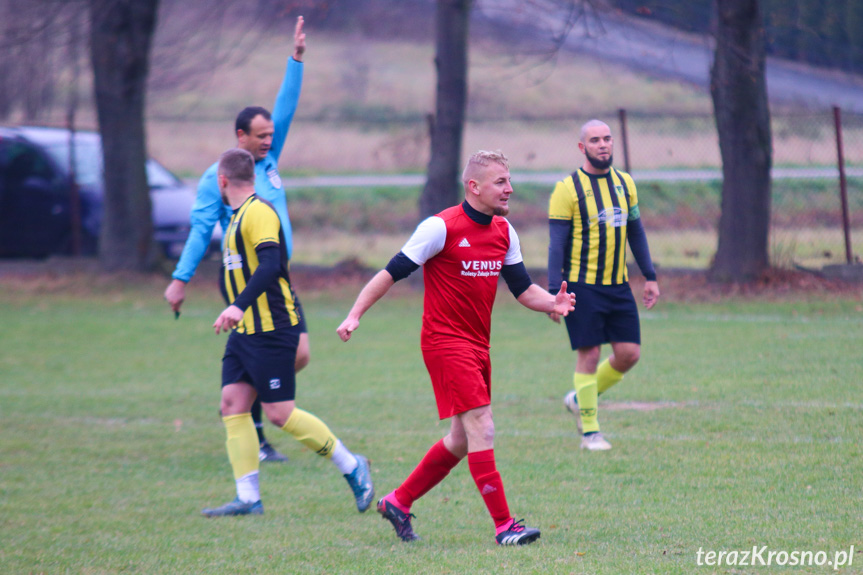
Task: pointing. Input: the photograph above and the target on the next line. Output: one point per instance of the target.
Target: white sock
(343, 459)
(248, 490)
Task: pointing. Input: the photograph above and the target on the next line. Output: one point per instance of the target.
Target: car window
(89, 170)
(20, 162)
(159, 177)
(88, 161)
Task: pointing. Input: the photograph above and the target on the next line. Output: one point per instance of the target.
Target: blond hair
(482, 158)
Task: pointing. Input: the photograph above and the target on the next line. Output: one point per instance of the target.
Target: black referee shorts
(265, 361)
(603, 314)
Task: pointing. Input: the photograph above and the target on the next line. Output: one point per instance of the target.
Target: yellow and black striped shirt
(255, 225)
(598, 208)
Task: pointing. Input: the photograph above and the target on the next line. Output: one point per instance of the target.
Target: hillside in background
(814, 32)
(825, 34)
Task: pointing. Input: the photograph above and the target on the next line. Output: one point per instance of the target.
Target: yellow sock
(606, 376)
(585, 391)
(242, 444)
(311, 432)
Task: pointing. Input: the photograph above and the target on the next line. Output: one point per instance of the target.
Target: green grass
(111, 443)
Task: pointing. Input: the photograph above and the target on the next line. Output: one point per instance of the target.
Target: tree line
(825, 34)
(121, 36)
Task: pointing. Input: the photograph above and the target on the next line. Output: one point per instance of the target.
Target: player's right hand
(228, 319)
(347, 328)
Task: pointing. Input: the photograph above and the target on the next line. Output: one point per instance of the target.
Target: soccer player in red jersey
(464, 250)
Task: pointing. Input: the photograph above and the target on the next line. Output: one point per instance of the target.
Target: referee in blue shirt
(263, 135)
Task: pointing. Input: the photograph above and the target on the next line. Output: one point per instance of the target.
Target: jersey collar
(475, 215)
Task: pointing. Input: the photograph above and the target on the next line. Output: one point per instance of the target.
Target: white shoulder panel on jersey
(513, 254)
(427, 240)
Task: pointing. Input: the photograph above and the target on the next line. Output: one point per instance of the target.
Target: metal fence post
(625, 139)
(843, 184)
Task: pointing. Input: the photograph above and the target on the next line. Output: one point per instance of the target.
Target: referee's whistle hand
(175, 294)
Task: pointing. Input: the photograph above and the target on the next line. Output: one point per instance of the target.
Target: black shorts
(263, 360)
(603, 314)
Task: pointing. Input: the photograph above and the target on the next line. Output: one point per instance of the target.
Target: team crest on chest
(275, 179)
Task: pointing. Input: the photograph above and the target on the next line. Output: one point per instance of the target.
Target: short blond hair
(482, 158)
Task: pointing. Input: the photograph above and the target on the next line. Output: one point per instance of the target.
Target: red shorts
(461, 378)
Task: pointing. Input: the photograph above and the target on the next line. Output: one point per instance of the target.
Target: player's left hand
(299, 40)
(348, 327)
(651, 293)
(563, 302)
(228, 319)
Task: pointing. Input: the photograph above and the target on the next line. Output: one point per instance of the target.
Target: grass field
(740, 427)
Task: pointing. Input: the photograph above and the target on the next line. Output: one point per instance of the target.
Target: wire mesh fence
(676, 163)
(675, 160)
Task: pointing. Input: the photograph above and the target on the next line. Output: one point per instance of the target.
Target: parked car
(36, 195)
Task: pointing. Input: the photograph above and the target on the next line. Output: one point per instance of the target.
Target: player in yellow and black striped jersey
(592, 215)
(255, 226)
(596, 209)
(265, 326)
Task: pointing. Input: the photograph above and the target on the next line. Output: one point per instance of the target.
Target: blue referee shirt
(209, 209)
